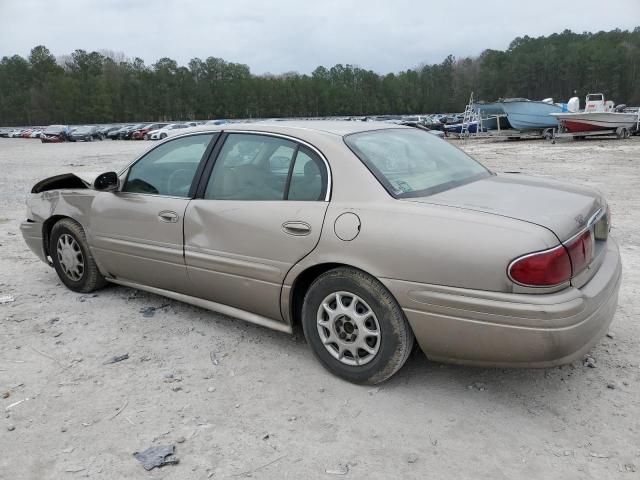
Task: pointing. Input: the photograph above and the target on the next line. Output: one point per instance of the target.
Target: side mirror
(106, 182)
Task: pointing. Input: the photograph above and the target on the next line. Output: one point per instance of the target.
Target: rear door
(257, 213)
(137, 232)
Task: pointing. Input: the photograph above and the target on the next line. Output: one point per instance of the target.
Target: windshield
(413, 163)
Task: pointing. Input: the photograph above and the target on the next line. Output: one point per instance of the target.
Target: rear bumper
(511, 330)
(32, 234)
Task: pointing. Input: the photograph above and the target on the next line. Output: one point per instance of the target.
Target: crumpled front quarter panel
(75, 204)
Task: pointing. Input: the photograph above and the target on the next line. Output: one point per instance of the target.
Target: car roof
(332, 127)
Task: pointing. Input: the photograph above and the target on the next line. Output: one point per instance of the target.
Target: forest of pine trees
(102, 87)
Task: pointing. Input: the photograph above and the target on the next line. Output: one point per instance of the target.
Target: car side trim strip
(209, 305)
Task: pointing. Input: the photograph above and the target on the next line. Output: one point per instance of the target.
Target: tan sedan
(365, 234)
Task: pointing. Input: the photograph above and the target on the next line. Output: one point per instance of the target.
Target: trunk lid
(564, 209)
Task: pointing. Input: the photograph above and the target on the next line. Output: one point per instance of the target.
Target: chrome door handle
(168, 216)
(296, 228)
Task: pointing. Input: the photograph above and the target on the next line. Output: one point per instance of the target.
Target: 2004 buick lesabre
(365, 234)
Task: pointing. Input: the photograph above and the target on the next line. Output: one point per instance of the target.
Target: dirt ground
(267, 409)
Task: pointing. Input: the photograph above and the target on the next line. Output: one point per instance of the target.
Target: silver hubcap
(70, 257)
(348, 328)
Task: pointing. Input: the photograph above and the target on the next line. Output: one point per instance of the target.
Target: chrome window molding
(301, 142)
(327, 196)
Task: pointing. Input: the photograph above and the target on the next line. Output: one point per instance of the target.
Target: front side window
(414, 163)
(251, 167)
(168, 169)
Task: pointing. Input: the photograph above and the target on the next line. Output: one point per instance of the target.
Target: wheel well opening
(47, 226)
(302, 284)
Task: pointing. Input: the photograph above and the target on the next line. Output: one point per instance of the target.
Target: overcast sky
(283, 35)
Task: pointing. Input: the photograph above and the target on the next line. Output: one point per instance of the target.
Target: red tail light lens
(542, 269)
(580, 252)
(554, 266)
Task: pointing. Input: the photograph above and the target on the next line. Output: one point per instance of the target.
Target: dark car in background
(54, 134)
(142, 133)
(115, 133)
(86, 133)
(105, 129)
(125, 134)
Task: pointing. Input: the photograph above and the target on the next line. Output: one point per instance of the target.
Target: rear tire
(72, 258)
(364, 339)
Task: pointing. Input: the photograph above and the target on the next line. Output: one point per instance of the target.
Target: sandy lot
(268, 409)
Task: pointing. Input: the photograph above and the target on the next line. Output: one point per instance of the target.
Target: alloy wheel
(70, 257)
(348, 328)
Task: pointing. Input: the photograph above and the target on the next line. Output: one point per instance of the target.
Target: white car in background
(169, 130)
(164, 132)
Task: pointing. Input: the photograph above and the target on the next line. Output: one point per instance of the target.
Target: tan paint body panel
(557, 206)
(443, 257)
(515, 330)
(238, 253)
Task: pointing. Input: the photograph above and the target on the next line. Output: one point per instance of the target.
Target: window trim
(290, 177)
(287, 185)
(196, 177)
(208, 169)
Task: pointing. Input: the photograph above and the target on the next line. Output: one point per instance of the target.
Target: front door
(136, 234)
(261, 212)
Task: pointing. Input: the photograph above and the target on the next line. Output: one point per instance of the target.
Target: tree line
(103, 87)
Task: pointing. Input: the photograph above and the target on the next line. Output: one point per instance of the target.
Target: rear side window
(251, 167)
(308, 178)
(414, 163)
(168, 169)
(263, 167)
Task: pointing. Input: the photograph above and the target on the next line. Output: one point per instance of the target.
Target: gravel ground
(267, 409)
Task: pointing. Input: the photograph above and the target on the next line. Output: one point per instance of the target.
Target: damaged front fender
(66, 181)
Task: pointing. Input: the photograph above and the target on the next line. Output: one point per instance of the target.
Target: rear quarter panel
(430, 244)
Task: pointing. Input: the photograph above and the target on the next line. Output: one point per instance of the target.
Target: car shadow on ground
(418, 373)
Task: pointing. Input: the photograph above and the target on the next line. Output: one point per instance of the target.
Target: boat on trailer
(525, 114)
(491, 115)
(597, 115)
(459, 128)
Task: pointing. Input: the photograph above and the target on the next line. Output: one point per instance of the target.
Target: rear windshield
(414, 163)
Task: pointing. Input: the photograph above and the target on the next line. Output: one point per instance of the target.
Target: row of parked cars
(89, 133)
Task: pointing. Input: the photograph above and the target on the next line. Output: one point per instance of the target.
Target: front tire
(355, 327)
(72, 258)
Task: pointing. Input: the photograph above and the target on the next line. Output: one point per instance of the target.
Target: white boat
(597, 115)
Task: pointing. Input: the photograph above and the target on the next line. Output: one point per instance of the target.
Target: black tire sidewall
(57, 231)
(319, 290)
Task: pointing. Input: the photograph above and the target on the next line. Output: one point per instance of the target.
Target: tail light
(558, 265)
(542, 269)
(580, 252)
